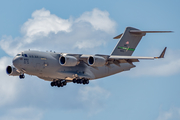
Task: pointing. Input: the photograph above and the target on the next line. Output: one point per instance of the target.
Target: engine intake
(96, 61)
(68, 61)
(12, 71)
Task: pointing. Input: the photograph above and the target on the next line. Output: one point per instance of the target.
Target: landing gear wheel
(52, 84)
(74, 81)
(81, 81)
(64, 83)
(84, 82)
(58, 83)
(78, 81)
(21, 76)
(87, 82)
(61, 85)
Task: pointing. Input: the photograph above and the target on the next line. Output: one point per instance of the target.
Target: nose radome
(15, 61)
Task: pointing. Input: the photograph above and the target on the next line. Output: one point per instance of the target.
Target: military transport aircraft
(61, 68)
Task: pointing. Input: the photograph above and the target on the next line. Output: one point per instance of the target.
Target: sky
(150, 91)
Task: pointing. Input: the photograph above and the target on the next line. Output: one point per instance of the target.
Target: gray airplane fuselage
(46, 65)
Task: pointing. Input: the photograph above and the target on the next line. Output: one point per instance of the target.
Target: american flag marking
(127, 42)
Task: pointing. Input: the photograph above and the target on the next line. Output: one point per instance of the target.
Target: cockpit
(21, 54)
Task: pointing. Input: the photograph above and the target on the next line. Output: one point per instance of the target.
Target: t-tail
(129, 40)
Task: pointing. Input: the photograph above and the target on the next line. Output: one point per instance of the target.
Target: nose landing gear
(22, 76)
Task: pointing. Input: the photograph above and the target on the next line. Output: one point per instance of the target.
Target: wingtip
(163, 53)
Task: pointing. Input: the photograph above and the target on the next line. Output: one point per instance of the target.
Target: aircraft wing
(118, 57)
(112, 59)
(134, 57)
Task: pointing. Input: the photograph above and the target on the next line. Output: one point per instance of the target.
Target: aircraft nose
(15, 61)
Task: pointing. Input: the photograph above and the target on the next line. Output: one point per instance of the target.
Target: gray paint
(127, 40)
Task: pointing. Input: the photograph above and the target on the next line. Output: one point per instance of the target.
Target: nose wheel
(22, 76)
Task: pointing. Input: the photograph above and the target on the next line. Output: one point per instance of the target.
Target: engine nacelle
(12, 71)
(96, 61)
(68, 61)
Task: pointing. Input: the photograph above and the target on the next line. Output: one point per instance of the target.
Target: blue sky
(150, 91)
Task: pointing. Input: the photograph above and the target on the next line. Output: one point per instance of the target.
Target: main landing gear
(22, 76)
(59, 83)
(81, 81)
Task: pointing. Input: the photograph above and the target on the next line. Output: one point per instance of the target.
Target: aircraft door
(37, 66)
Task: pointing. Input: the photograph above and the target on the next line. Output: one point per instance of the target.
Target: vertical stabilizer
(128, 42)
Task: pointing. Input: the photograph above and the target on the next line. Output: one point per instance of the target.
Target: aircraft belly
(111, 69)
(99, 72)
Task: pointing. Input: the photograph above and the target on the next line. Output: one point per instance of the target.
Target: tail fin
(128, 42)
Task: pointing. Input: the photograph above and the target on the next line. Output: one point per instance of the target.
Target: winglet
(162, 54)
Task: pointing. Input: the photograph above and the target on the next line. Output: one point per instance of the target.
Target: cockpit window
(24, 55)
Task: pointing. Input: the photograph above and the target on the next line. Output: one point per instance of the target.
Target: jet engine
(96, 61)
(68, 61)
(12, 71)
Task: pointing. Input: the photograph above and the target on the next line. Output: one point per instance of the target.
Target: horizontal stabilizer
(118, 37)
(139, 31)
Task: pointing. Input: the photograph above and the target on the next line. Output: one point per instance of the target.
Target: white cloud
(99, 20)
(172, 114)
(46, 31)
(8, 91)
(167, 66)
(89, 43)
(43, 22)
(93, 98)
(25, 113)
